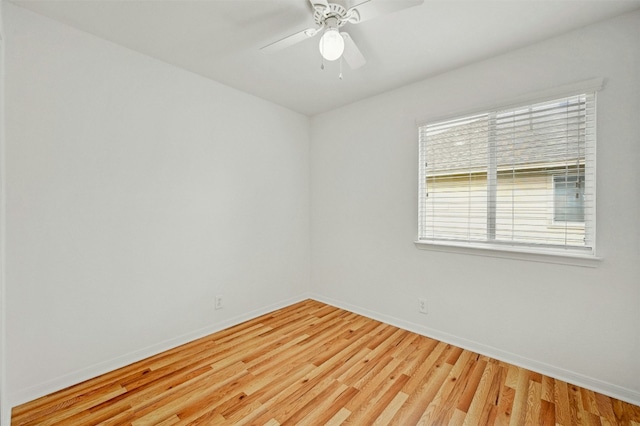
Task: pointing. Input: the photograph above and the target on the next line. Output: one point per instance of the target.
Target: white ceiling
(221, 39)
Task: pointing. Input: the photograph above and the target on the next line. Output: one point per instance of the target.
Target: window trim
(555, 256)
(592, 85)
(559, 255)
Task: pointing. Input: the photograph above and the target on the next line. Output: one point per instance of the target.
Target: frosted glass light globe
(331, 44)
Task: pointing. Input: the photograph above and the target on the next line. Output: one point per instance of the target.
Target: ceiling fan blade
(370, 9)
(351, 53)
(289, 40)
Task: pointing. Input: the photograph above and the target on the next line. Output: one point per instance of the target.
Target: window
(521, 177)
(568, 198)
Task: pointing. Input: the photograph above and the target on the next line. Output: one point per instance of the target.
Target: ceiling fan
(330, 18)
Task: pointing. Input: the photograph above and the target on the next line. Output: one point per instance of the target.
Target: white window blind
(522, 176)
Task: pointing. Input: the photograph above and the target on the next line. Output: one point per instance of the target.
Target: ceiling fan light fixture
(331, 44)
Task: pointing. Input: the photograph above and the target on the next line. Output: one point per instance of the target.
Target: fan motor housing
(336, 11)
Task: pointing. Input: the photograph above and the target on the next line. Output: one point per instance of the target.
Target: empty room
(271, 212)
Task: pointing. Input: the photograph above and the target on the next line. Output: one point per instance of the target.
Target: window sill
(508, 252)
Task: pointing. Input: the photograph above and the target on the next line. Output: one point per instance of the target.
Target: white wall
(136, 192)
(5, 409)
(574, 322)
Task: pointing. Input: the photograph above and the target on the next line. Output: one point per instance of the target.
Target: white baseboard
(612, 390)
(62, 382)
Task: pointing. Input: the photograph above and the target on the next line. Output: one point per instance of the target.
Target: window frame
(560, 254)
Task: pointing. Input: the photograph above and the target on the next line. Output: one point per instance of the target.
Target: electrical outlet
(422, 305)
(218, 302)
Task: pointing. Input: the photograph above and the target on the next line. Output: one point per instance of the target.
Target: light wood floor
(315, 364)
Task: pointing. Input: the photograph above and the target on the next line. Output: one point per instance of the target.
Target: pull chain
(340, 76)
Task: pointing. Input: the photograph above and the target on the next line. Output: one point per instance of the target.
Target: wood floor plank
(490, 408)
(471, 385)
(326, 391)
(563, 408)
(423, 393)
(444, 395)
(519, 412)
(445, 407)
(184, 395)
(633, 411)
(512, 377)
(378, 390)
(312, 364)
(418, 376)
(575, 403)
(484, 395)
(589, 401)
(339, 417)
(391, 409)
(296, 397)
(534, 398)
(373, 410)
(547, 413)
(421, 349)
(605, 407)
(326, 409)
(208, 406)
(59, 401)
(58, 414)
(458, 418)
(505, 404)
(547, 389)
